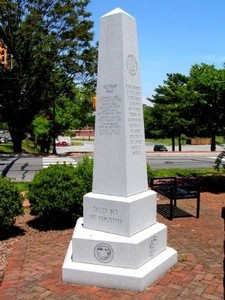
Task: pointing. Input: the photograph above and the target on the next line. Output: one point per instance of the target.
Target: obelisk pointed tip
(116, 11)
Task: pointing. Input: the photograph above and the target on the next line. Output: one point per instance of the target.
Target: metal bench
(170, 188)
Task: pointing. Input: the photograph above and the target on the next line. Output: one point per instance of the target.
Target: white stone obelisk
(119, 145)
(118, 242)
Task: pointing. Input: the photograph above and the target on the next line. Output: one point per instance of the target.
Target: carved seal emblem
(152, 246)
(104, 252)
(132, 65)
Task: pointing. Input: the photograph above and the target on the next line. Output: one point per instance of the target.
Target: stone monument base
(115, 277)
(120, 215)
(108, 260)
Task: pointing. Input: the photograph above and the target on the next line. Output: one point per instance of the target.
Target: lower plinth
(116, 277)
(108, 260)
(118, 244)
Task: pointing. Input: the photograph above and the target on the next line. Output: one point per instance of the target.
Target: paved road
(184, 160)
(88, 146)
(23, 167)
(20, 167)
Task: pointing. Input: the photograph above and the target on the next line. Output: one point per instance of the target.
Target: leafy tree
(148, 121)
(170, 107)
(191, 105)
(51, 46)
(71, 111)
(42, 128)
(207, 84)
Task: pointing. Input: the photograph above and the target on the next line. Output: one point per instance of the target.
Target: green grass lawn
(207, 172)
(168, 141)
(186, 172)
(29, 147)
(6, 148)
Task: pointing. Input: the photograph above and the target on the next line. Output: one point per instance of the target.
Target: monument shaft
(119, 158)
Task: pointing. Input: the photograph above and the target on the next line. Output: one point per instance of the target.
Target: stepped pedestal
(107, 260)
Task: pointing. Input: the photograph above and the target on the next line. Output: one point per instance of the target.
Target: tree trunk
(173, 142)
(17, 138)
(179, 140)
(213, 142)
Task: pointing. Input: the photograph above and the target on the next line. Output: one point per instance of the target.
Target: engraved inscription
(135, 119)
(109, 115)
(105, 215)
(109, 112)
(152, 246)
(103, 252)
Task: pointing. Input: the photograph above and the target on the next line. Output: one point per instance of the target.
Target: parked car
(8, 139)
(2, 140)
(62, 144)
(160, 148)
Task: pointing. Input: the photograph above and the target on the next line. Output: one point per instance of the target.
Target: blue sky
(173, 35)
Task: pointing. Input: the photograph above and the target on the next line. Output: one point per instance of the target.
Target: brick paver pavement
(34, 268)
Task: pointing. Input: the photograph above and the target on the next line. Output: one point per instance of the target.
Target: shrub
(84, 173)
(150, 173)
(219, 160)
(57, 192)
(11, 202)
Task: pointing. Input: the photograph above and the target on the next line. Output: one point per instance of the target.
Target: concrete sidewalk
(34, 268)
